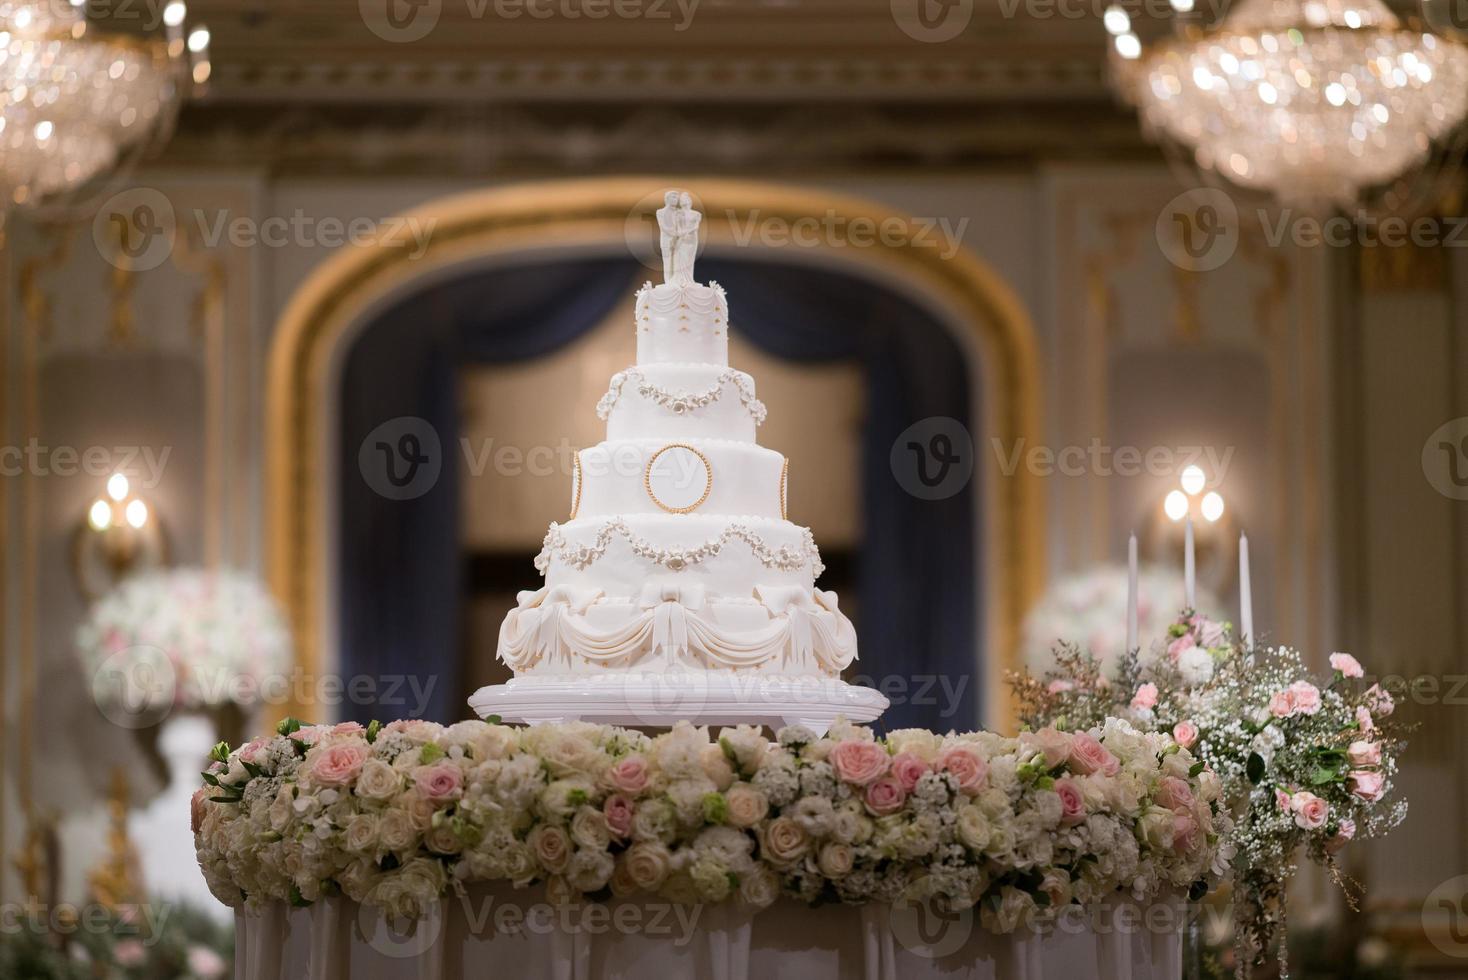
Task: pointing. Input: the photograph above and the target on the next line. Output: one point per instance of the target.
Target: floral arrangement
(1305, 764)
(186, 637)
(395, 816)
(163, 942)
(1089, 608)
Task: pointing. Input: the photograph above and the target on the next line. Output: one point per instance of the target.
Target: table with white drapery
(494, 931)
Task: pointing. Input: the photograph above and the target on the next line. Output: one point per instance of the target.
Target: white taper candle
(1190, 584)
(1246, 594)
(1131, 593)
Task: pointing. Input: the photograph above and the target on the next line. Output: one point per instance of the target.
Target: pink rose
(628, 774)
(1344, 831)
(1306, 697)
(253, 752)
(1053, 745)
(1363, 720)
(1146, 697)
(1060, 686)
(1072, 802)
(885, 796)
(907, 769)
(439, 782)
(1176, 647)
(1282, 704)
(1174, 794)
(1365, 785)
(196, 809)
(1185, 836)
(1185, 733)
(1346, 664)
(966, 765)
(1310, 810)
(1379, 701)
(1362, 753)
(859, 763)
(1210, 631)
(618, 810)
(1087, 755)
(1281, 799)
(338, 765)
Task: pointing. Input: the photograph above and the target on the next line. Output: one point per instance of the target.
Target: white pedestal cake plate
(660, 698)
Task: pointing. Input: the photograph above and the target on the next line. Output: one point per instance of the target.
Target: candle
(1131, 593)
(1189, 576)
(1246, 594)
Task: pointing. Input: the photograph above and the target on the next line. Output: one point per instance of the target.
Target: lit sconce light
(1192, 479)
(119, 535)
(1212, 506)
(1175, 504)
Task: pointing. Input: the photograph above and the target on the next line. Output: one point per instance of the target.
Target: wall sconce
(120, 535)
(1213, 528)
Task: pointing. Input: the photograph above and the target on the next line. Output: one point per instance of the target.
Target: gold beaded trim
(784, 483)
(575, 485)
(707, 487)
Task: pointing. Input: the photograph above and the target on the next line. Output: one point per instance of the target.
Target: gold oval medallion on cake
(678, 478)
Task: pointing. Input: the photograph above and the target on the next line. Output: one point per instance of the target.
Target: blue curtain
(917, 583)
(401, 595)
(401, 589)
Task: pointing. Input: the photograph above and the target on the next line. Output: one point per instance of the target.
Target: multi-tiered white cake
(677, 588)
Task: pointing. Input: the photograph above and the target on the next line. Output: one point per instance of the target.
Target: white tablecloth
(502, 932)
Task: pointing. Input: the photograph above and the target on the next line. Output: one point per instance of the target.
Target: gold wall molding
(594, 214)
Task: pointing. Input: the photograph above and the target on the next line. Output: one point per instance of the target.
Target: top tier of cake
(682, 323)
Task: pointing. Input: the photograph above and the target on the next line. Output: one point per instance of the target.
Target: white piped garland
(783, 558)
(682, 402)
(666, 298)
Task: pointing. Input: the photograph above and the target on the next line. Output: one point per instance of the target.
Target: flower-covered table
(580, 850)
(510, 932)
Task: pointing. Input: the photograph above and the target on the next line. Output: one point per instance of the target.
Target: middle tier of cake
(696, 476)
(725, 556)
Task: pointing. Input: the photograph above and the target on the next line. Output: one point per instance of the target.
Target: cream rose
(551, 846)
(784, 842)
(646, 865)
(378, 781)
(747, 806)
(835, 859)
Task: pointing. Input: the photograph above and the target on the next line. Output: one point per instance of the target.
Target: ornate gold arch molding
(480, 227)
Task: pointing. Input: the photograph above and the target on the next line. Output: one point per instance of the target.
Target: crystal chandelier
(1318, 102)
(76, 102)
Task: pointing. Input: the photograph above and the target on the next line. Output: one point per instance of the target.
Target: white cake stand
(658, 699)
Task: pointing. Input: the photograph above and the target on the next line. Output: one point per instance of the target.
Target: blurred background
(245, 245)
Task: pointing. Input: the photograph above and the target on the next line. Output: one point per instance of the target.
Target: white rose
(646, 864)
(361, 835)
(973, 828)
(443, 840)
(378, 781)
(759, 888)
(551, 846)
(784, 842)
(835, 860)
(396, 830)
(920, 742)
(747, 805)
(589, 829)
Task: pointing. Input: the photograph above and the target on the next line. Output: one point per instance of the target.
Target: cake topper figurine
(678, 223)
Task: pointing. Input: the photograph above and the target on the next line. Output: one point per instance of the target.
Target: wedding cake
(677, 588)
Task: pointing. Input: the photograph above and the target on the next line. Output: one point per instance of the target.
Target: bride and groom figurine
(678, 223)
